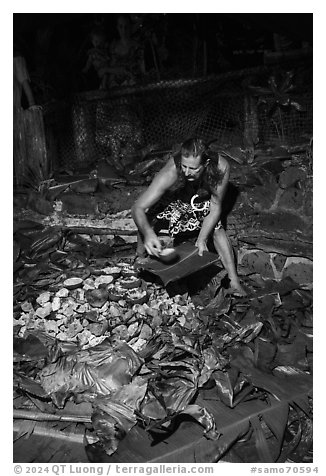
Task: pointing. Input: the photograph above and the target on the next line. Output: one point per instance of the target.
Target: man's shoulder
(223, 163)
(168, 173)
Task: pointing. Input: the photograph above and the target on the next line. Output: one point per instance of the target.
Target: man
(190, 176)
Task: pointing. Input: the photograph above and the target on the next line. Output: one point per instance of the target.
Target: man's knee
(218, 232)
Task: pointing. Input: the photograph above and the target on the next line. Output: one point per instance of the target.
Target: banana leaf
(46, 239)
(204, 418)
(277, 423)
(152, 409)
(300, 453)
(41, 416)
(290, 446)
(213, 360)
(90, 373)
(301, 401)
(268, 449)
(114, 417)
(293, 354)
(231, 424)
(264, 353)
(30, 348)
(291, 388)
(176, 388)
(25, 429)
(262, 447)
(29, 385)
(242, 334)
(47, 442)
(225, 382)
(220, 304)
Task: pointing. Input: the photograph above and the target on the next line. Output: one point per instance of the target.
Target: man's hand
(201, 245)
(152, 244)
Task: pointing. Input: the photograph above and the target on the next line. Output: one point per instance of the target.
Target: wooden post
(36, 151)
(19, 146)
(29, 144)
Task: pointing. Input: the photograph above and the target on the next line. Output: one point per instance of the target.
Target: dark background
(55, 44)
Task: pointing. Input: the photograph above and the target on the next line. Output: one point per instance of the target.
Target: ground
(248, 351)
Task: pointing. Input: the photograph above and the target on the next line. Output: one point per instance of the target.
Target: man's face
(191, 167)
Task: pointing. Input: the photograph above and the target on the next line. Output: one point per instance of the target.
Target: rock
(81, 309)
(121, 331)
(56, 303)
(106, 171)
(280, 221)
(92, 316)
(279, 261)
(78, 204)
(44, 311)
(61, 318)
(291, 176)
(132, 329)
(291, 199)
(88, 284)
(68, 310)
(114, 311)
(308, 203)
(96, 297)
(146, 332)
(104, 279)
(262, 198)
(73, 283)
(84, 337)
(63, 292)
(26, 306)
(259, 262)
(51, 326)
(299, 269)
(73, 329)
(85, 186)
(98, 328)
(43, 298)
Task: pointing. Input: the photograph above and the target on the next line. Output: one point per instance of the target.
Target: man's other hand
(201, 245)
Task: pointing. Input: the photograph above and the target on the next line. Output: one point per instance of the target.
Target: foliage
(276, 97)
(241, 368)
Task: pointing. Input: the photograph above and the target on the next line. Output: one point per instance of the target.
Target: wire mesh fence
(237, 108)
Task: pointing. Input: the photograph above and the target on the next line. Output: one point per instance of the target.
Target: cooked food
(168, 255)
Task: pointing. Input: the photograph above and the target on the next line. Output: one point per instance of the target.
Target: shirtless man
(189, 175)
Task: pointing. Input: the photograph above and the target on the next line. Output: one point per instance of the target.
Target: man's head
(193, 161)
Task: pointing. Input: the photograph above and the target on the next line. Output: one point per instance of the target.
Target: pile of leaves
(242, 368)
